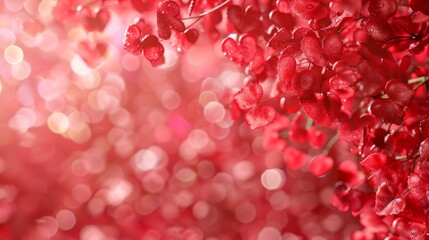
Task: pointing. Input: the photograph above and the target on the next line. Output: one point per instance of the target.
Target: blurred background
(96, 144)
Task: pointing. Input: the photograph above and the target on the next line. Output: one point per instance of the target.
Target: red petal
(312, 49)
(388, 111)
(280, 39)
(373, 162)
(192, 35)
(249, 47)
(315, 107)
(235, 14)
(231, 49)
(294, 158)
(282, 20)
(286, 69)
(260, 116)
(399, 92)
(176, 24)
(320, 165)
(378, 30)
(132, 40)
(249, 96)
(162, 26)
(153, 49)
(382, 9)
(317, 137)
(332, 47)
(169, 7)
(385, 202)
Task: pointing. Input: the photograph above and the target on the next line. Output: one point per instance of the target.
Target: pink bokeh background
(123, 150)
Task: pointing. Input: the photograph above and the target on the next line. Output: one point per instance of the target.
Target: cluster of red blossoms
(355, 71)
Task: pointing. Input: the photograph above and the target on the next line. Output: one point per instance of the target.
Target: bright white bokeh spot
(31, 6)
(214, 112)
(243, 170)
(21, 71)
(90, 80)
(58, 122)
(146, 160)
(80, 132)
(14, 5)
(170, 99)
(7, 37)
(81, 135)
(91, 232)
(78, 66)
(48, 89)
(119, 190)
(13, 54)
(269, 233)
(105, 99)
(25, 95)
(24, 119)
(46, 7)
(273, 179)
(66, 219)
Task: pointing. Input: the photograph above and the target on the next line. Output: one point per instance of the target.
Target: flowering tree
(216, 119)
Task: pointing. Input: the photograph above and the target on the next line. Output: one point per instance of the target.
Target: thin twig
(209, 11)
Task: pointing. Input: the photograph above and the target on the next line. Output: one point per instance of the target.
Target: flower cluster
(355, 71)
(98, 144)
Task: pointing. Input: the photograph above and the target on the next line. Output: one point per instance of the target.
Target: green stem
(309, 123)
(330, 144)
(420, 83)
(198, 19)
(209, 11)
(416, 80)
